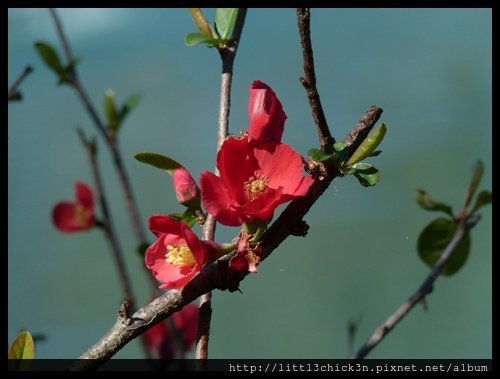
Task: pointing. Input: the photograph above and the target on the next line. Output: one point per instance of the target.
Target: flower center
(255, 186)
(179, 256)
(81, 214)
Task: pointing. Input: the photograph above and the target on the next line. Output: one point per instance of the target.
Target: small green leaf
(129, 104)
(366, 174)
(22, 347)
(176, 215)
(190, 217)
(376, 153)
(342, 151)
(159, 161)
(224, 21)
(368, 145)
(426, 202)
(477, 174)
(483, 198)
(435, 238)
(50, 57)
(318, 155)
(195, 38)
(111, 111)
(202, 23)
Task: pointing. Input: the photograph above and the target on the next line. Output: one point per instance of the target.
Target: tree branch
(107, 226)
(228, 56)
(326, 140)
(111, 143)
(425, 288)
(214, 276)
(13, 93)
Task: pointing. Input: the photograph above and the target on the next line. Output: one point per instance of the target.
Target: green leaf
(483, 198)
(426, 202)
(224, 21)
(49, 56)
(435, 238)
(159, 161)
(202, 23)
(110, 111)
(129, 104)
(342, 151)
(190, 217)
(196, 38)
(318, 155)
(366, 174)
(22, 347)
(477, 174)
(368, 145)
(376, 153)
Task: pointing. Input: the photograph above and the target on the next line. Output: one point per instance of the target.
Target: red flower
(267, 119)
(186, 189)
(73, 217)
(177, 255)
(246, 258)
(255, 177)
(159, 337)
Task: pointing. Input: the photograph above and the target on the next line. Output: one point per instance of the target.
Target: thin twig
(228, 56)
(326, 139)
(111, 143)
(214, 276)
(107, 226)
(425, 288)
(13, 93)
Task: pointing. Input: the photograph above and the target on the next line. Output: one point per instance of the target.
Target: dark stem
(419, 295)
(111, 143)
(326, 140)
(107, 227)
(228, 56)
(62, 36)
(214, 276)
(13, 93)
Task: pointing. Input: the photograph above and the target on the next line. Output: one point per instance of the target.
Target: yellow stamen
(255, 186)
(179, 256)
(81, 215)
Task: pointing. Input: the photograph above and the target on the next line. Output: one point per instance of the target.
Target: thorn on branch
(299, 229)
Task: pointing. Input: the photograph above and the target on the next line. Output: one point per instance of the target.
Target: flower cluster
(257, 173)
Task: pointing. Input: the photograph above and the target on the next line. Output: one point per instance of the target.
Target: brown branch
(326, 140)
(107, 226)
(13, 93)
(111, 143)
(425, 288)
(214, 276)
(228, 56)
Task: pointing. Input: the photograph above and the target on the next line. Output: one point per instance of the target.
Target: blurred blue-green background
(429, 69)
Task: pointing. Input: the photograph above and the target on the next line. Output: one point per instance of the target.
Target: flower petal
(160, 224)
(63, 216)
(281, 164)
(217, 201)
(84, 195)
(236, 165)
(267, 118)
(195, 245)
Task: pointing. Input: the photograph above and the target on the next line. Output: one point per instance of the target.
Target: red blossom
(246, 258)
(159, 337)
(186, 189)
(177, 255)
(76, 216)
(267, 118)
(255, 177)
